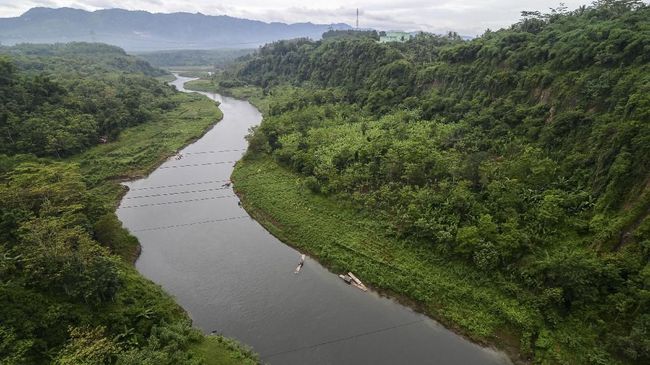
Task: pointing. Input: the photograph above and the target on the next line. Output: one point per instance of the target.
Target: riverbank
(344, 239)
(136, 153)
(252, 94)
(195, 248)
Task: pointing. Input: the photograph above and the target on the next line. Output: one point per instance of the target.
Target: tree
(87, 346)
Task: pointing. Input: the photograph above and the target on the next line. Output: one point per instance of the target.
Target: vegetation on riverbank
(194, 72)
(501, 183)
(202, 84)
(137, 152)
(68, 291)
(345, 239)
(254, 94)
(197, 59)
(219, 350)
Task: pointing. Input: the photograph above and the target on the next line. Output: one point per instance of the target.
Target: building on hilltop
(394, 37)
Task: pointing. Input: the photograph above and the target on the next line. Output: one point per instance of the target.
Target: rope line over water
(175, 193)
(190, 224)
(191, 183)
(196, 165)
(204, 152)
(287, 187)
(177, 185)
(342, 339)
(178, 201)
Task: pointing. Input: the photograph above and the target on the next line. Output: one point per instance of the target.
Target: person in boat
(347, 279)
(300, 264)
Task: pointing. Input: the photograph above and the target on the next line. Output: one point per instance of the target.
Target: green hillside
(513, 168)
(216, 58)
(74, 121)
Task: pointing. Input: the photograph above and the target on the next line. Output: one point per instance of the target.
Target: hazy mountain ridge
(141, 30)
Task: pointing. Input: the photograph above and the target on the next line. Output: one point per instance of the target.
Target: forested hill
(77, 58)
(60, 99)
(144, 31)
(523, 154)
(73, 119)
(217, 58)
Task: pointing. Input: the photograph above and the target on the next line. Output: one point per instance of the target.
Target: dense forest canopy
(77, 58)
(351, 33)
(524, 153)
(59, 100)
(217, 58)
(68, 293)
(64, 299)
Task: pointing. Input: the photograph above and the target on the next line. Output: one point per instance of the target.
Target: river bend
(233, 277)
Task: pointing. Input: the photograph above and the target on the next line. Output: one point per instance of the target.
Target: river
(235, 278)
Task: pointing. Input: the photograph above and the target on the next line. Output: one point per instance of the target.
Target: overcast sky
(467, 17)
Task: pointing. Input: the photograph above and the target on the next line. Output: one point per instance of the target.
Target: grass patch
(201, 85)
(140, 149)
(253, 94)
(344, 239)
(219, 350)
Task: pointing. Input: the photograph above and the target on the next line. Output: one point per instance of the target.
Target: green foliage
(211, 351)
(87, 346)
(523, 155)
(51, 107)
(343, 63)
(201, 85)
(108, 231)
(217, 58)
(351, 33)
(345, 239)
(80, 58)
(58, 259)
(65, 297)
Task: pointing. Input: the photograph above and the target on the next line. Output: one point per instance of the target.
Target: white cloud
(469, 17)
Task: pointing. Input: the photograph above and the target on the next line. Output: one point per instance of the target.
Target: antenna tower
(357, 18)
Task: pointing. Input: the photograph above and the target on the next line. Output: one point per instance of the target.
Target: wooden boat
(356, 282)
(346, 278)
(353, 280)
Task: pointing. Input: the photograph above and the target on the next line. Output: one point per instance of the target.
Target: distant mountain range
(144, 31)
